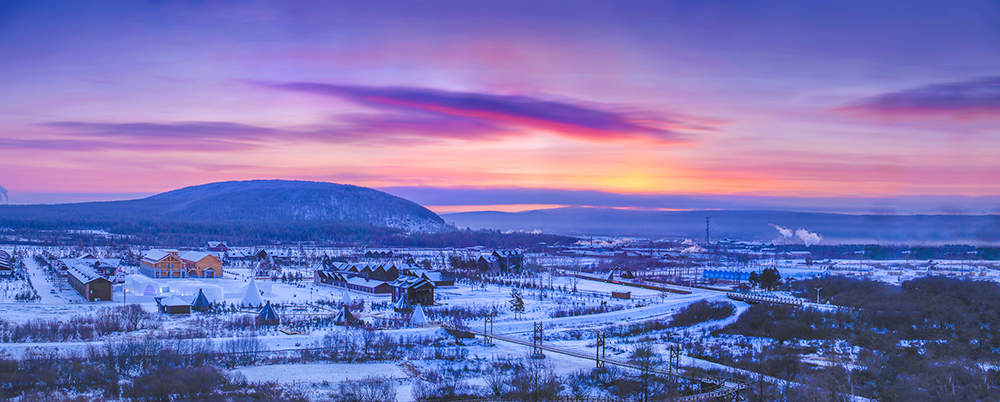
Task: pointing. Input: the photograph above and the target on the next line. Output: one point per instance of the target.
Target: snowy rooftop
(194, 255)
(84, 273)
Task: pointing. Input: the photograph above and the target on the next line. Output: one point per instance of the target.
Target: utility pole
(818, 288)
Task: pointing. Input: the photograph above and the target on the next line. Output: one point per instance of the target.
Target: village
(466, 309)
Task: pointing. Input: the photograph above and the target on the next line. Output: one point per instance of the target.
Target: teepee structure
(344, 317)
(200, 302)
(403, 304)
(252, 297)
(418, 318)
(268, 316)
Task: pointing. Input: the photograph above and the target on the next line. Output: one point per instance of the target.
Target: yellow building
(200, 264)
(162, 264)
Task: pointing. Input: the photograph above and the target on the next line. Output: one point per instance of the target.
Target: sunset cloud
(976, 98)
(496, 111)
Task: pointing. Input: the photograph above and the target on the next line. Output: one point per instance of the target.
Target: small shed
(621, 295)
(173, 305)
(268, 316)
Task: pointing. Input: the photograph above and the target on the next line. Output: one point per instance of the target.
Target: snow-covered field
(575, 332)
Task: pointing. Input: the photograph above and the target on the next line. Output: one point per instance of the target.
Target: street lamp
(818, 288)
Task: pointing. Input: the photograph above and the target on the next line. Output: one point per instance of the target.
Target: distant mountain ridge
(287, 200)
(226, 208)
(742, 225)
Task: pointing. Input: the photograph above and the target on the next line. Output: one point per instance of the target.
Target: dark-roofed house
(352, 281)
(415, 290)
(88, 283)
(440, 278)
(218, 246)
(6, 264)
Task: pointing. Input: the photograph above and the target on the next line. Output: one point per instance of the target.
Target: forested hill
(259, 210)
(744, 225)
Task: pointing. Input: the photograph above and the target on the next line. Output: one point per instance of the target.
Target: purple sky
(504, 104)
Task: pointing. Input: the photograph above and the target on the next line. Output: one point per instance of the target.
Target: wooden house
(415, 290)
(218, 247)
(200, 264)
(89, 284)
(439, 278)
(162, 264)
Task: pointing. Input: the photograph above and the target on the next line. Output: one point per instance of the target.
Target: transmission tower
(600, 349)
(536, 342)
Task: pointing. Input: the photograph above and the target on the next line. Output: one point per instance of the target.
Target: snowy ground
(59, 301)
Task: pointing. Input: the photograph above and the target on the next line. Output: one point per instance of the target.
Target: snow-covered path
(40, 283)
(626, 316)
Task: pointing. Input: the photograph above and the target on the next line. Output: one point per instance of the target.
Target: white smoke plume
(785, 232)
(3, 192)
(808, 237)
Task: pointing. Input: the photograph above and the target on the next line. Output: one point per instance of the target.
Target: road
(41, 283)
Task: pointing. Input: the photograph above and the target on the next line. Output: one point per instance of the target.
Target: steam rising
(3, 193)
(808, 237)
(785, 232)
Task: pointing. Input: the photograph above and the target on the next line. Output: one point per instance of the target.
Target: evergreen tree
(770, 278)
(516, 302)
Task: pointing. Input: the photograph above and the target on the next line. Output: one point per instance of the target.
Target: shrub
(702, 311)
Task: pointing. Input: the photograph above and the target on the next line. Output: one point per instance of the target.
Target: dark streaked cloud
(223, 136)
(425, 127)
(494, 111)
(183, 130)
(969, 98)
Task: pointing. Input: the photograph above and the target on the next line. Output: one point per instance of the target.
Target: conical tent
(344, 317)
(200, 302)
(346, 300)
(268, 316)
(402, 304)
(418, 317)
(252, 297)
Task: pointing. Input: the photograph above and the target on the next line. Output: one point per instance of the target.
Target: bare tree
(647, 360)
(370, 389)
(243, 351)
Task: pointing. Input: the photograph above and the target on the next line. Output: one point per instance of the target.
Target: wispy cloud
(976, 98)
(504, 113)
(224, 136)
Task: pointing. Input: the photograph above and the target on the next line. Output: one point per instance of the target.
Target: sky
(510, 105)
